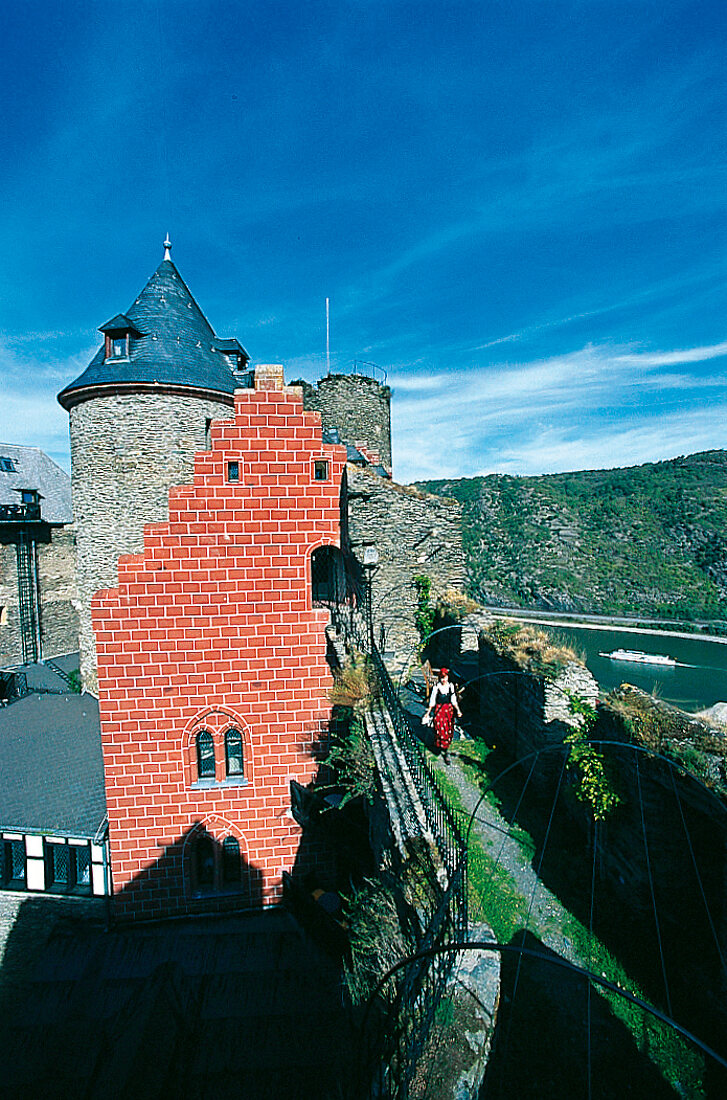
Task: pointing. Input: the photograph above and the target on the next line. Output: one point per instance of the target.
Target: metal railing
(370, 370)
(394, 1052)
(419, 990)
(19, 513)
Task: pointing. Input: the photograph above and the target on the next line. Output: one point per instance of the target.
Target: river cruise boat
(638, 658)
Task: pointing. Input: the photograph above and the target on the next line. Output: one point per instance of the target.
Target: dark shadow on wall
(231, 1004)
(196, 874)
(334, 853)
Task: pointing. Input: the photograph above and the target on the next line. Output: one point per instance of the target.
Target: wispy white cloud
(596, 405)
(29, 412)
(669, 358)
(557, 449)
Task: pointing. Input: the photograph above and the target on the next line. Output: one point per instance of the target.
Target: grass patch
(678, 1062)
(496, 898)
(493, 892)
(473, 754)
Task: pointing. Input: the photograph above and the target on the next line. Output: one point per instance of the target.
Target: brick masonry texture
(56, 550)
(415, 533)
(212, 627)
(359, 407)
(127, 449)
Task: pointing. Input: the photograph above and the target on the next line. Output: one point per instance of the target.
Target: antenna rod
(328, 334)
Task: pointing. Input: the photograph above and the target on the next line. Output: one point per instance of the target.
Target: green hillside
(646, 540)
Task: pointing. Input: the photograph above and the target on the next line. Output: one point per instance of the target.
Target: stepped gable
(170, 343)
(213, 627)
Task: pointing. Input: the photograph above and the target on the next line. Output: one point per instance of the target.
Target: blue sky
(516, 209)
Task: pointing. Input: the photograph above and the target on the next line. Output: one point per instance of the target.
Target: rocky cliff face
(650, 540)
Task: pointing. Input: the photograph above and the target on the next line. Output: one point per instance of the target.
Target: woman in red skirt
(444, 703)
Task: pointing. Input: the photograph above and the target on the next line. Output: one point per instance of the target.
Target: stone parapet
(414, 533)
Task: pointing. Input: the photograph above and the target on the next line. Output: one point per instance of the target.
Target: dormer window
(236, 355)
(117, 335)
(117, 347)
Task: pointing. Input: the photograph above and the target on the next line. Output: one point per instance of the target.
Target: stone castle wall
(414, 533)
(126, 451)
(58, 596)
(11, 652)
(359, 407)
(56, 558)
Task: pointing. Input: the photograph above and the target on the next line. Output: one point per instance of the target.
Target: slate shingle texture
(52, 766)
(35, 470)
(178, 346)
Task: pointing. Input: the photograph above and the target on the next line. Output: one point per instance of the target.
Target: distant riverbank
(601, 622)
(695, 682)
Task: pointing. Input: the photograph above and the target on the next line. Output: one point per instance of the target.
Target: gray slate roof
(35, 470)
(51, 765)
(235, 1008)
(178, 346)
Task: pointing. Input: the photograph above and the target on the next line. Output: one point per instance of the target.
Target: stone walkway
(547, 915)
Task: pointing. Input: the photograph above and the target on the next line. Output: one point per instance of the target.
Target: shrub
(425, 610)
(351, 758)
(376, 938)
(355, 685)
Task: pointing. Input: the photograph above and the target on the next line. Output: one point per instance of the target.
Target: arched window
(231, 868)
(204, 862)
(205, 755)
(328, 576)
(234, 764)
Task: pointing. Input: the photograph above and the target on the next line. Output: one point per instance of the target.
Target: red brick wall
(212, 628)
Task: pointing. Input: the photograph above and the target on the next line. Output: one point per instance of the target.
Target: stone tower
(138, 414)
(358, 407)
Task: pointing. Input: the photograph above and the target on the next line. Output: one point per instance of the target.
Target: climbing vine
(425, 609)
(593, 784)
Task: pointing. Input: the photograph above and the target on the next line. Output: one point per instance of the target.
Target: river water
(697, 682)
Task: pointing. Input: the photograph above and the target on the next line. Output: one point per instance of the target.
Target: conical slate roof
(177, 346)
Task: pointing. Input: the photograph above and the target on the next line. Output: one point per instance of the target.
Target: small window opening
(117, 345)
(12, 868)
(233, 753)
(233, 471)
(67, 868)
(204, 861)
(320, 470)
(83, 866)
(205, 755)
(231, 869)
(7, 465)
(29, 496)
(58, 867)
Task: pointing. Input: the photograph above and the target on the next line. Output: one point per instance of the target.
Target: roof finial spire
(167, 248)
